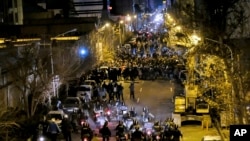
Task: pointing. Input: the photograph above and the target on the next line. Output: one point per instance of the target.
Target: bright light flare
(82, 51)
(178, 28)
(196, 39)
(128, 18)
(158, 18)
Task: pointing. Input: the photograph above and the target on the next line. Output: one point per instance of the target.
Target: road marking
(140, 90)
(171, 89)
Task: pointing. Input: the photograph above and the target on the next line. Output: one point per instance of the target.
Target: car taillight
(82, 122)
(157, 137)
(108, 112)
(85, 139)
(149, 132)
(97, 115)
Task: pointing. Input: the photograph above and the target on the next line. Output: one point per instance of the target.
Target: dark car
(72, 104)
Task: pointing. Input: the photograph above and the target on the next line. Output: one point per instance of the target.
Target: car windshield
(71, 101)
(83, 89)
(56, 116)
(202, 106)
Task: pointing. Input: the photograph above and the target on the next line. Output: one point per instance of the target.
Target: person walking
(132, 90)
(66, 128)
(120, 92)
(115, 90)
(53, 130)
(177, 135)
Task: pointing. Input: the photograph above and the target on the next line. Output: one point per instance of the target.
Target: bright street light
(107, 25)
(178, 28)
(128, 18)
(195, 39)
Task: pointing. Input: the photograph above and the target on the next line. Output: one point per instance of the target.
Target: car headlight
(41, 138)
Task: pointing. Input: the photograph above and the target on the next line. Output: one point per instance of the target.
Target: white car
(57, 115)
(90, 82)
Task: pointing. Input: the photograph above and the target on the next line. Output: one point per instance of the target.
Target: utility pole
(55, 93)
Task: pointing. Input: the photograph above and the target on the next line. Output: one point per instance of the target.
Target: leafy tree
(109, 41)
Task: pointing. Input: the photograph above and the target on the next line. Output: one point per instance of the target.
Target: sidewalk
(196, 133)
(225, 134)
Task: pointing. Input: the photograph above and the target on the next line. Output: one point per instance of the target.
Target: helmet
(137, 127)
(156, 123)
(120, 122)
(106, 123)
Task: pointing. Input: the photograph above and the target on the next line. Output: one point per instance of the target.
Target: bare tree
(8, 122)
(28, 73)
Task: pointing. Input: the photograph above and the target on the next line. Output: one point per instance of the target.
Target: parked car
(85, 92)
(57, 115)
(90, 82)
(72, 104)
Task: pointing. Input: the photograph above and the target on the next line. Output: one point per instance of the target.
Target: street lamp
(52, 60)
(121, 31)
(135, 22)
(195, 39)
(128, 19)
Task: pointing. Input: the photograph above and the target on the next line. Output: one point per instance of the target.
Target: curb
(222, 133)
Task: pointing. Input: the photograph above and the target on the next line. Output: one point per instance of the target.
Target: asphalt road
(157, 96)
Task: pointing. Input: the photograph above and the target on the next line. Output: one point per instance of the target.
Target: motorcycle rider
(105, 131)
(86, 131)
(132, 112)
(177, 134)
(66, 128)
(120, 128)
(157, 126)
(157, 129)
(137, 135)
(135, 124)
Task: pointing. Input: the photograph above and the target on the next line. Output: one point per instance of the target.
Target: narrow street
(157, 96)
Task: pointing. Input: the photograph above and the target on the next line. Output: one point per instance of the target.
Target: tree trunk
(26, 104)
(33, 106)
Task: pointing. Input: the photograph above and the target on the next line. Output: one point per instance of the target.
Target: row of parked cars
(74, 105)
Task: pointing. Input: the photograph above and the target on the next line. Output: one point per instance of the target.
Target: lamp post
(128, 19)
(121, 30)
(52, 60)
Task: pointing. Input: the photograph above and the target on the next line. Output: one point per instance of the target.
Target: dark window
(83, 89)
(71, 101)
(202, 106)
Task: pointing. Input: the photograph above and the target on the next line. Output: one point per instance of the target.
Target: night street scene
(125, 70)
